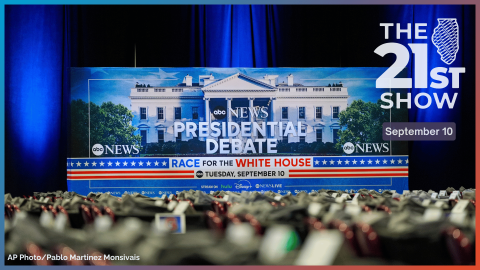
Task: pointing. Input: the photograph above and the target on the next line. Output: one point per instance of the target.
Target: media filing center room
(240, 134)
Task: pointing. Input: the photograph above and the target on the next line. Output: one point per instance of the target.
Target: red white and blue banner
(156, 176)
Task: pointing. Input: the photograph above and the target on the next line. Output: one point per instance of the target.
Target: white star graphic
(354, 162)
(361, 161)
(369, 161)
(164, 163)
(339, 162)
(384, 161)
(156, 163)
(125, 163)
(79, 164)
(67, 163)
(133, 163)
(392, 161)
(117, 163)
(400, 161)
(148, 163)
(94, 164)
(324, 162)
(101, 164)
(140, 163)
(347, 162)
(331, 162)
(86, 163)
(377, 161)
(71, 164)
(110, 163)
(406, 161)
(316, 162)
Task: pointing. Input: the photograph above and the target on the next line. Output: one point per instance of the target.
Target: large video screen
(159, 131)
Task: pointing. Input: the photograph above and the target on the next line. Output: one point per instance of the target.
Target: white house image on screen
(156, 109)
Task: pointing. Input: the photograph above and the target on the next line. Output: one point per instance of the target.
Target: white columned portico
(272, 111)
(207, 113)
(229, 105)
(250, 105)
(272, 108)
(229, 113)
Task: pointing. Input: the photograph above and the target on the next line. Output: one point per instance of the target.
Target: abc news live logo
(99, 149)
(349, 148)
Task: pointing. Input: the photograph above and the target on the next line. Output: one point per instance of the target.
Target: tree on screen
(110, 124)
(362, 122)
(79, 128)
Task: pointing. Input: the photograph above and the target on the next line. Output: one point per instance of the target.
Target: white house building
(156, 109)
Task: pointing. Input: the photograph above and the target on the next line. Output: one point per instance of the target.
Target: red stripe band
(350, 175)
(351, 170)
(128, 177)
(136, 172)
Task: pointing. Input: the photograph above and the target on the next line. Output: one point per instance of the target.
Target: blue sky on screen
(114, 84)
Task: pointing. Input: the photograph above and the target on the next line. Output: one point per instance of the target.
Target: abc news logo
(99, 149)
(219, 112)
(349, 148)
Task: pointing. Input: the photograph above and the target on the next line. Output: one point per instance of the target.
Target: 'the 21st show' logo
(445, 38)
